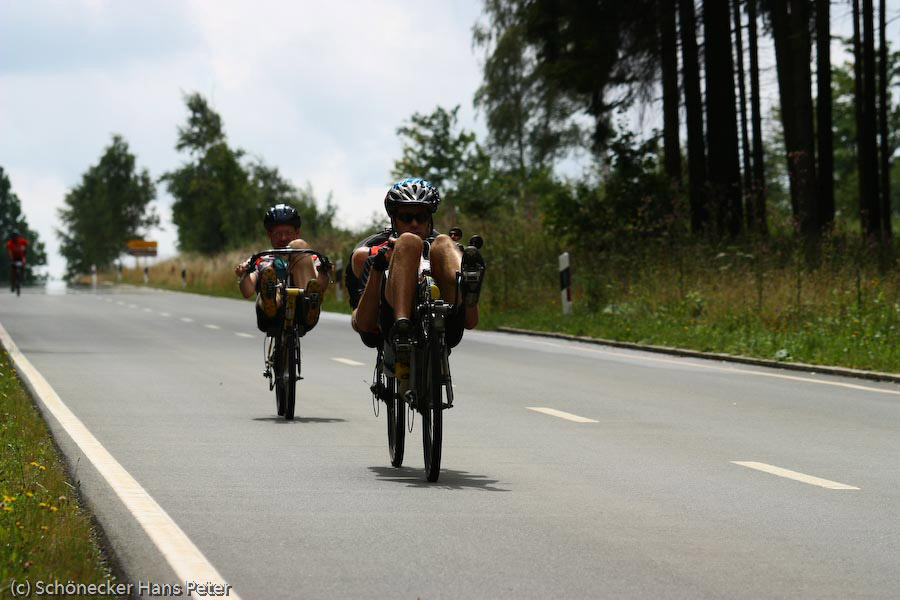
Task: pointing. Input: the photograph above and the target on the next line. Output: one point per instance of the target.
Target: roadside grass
(45, 535)
(845, 312)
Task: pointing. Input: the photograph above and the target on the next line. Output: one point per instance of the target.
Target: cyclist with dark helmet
(16, 246)
(282, 223)
(386, 267)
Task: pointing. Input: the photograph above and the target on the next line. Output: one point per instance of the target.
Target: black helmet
(14, 235)
(412, 191)
(456, 230)
(281, 214)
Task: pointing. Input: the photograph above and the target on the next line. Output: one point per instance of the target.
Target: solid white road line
(179, 551)
(187, 319)
(686, 362)
(209, 326)
(561, 414)
(347, 361)
(242, 334)
(787, 473)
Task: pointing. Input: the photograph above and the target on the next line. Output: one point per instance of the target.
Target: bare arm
(246, 282)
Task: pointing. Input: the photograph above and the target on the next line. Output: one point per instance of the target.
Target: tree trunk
(868, 165)
(858, 113)
(804, 157)
(742, 104)
(760, 225)
(669, 59)
(823, 113)
(694, 114)
(721, 118)
(885, 171)
(785, 93)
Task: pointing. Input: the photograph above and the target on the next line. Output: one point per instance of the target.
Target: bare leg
(403, 274)
(303, 269)
(445, 260)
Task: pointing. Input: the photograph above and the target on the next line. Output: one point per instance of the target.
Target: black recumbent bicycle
(425, 385)
(282, 342)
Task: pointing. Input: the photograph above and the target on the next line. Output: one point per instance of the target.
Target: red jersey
(16, 248)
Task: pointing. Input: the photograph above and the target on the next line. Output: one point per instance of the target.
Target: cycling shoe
(268, 290)
(314, 293)
(401, 340)
(471, 275)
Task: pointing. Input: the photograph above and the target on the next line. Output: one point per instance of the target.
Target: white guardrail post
(565, 283)
(94, 276)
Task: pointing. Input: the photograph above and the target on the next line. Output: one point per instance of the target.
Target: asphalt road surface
(569, 471)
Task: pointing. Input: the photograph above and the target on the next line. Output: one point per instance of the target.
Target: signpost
(141, 248)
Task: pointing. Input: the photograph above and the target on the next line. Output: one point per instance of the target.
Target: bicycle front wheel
(396, 421)
(432, 409)
(290, 380)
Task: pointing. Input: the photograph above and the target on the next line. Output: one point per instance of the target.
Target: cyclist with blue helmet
(386, 267)
(282, 223)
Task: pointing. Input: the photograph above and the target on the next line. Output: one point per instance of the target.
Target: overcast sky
(316, 89)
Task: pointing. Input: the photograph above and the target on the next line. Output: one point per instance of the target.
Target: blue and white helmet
(281, 214)
(412, 191)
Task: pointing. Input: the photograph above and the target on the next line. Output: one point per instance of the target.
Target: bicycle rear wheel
(290, 392)
(396, 421)
(432, 410)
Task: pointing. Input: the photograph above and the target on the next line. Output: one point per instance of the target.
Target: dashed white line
(210, 326)
(132, 306)
(164, 314)
(787, 473)
(120, 303)
(347, 361)
(187, 319)
(243, 335)
(148, 310)
(561, 414)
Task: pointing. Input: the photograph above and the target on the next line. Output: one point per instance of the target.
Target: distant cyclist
(282, 223)
(386, 267)
(15, 247)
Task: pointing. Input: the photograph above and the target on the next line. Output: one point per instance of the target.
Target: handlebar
(326, 262)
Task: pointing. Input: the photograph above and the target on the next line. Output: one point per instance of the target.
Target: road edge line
(173, 544)
(734, 358)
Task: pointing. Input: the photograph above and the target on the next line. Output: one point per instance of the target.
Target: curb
(747, 360)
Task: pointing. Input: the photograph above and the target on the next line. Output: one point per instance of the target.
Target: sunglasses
(420, 217)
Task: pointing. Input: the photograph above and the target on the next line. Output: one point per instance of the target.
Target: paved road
(645, 500)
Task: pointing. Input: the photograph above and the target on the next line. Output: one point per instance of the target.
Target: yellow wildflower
(7, 508)
(53, 509)
(44, 527)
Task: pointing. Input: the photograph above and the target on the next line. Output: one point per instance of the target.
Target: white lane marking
(120, 303)
(148, 310)
(164, 314)
(561, 414)
(187, 319)
(719, 368)
(787, 473)
(209, 326)
(347, 361)
(242, 334)
(179, 551)
(132, 306)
